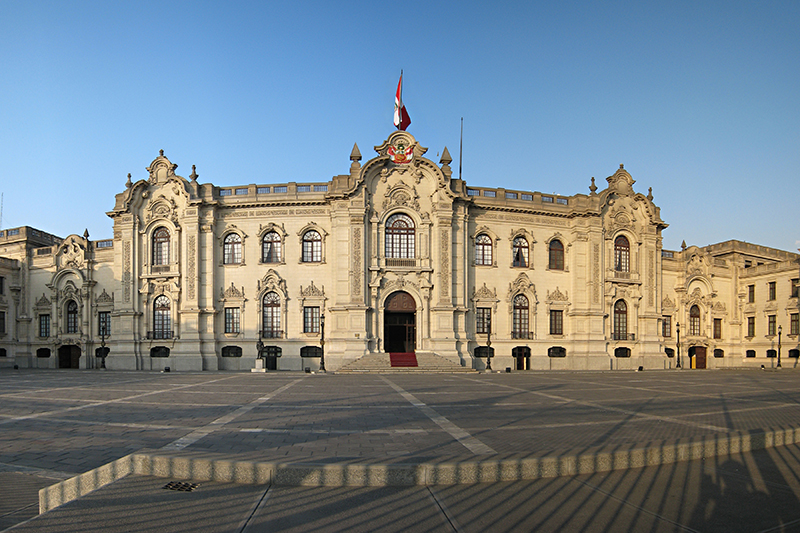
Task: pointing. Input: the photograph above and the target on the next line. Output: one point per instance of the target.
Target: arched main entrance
(69, 356)
(400, 323)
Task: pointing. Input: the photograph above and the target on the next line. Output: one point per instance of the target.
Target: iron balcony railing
(522, 335)
(272, 334)
(161, 334)
(623, 336)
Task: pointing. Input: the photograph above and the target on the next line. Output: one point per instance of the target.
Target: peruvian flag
(401, 118)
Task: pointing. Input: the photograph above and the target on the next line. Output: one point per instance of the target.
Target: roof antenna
(460, 147)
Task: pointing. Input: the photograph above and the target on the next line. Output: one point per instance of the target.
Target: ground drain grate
(182, 486)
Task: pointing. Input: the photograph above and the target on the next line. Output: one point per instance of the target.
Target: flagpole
(460, 148)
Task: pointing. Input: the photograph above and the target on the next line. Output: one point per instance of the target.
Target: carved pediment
(72, 253)
(522, 284)
(272, 281)
(484, 293)
(401, 195)
(232, 292)
(557, 296)
(667, 303)
(43, 302)
(105, 298)
(312, 290)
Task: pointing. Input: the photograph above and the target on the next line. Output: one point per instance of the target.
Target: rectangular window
(751, 326)
(232, 319)
(751, 294)
(240, 191)
(280, 189)
(795, 290)
(771, 319)
(526, 196)
(225, 192)
(547, 199)
(717, 328)
(2, 322)
(511, 195)
(483, 320)
(556, 322)
(490, 194)
(304, 188)
(104, 323)
(320, 188)
(794, 324)
(562, 201)
(772, 291)
(262, 190)
(2, 285)
(311, 320)
(666, 326)
(44, 326)
(473, 192)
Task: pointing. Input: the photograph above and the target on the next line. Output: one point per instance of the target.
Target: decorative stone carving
(104, 298)
(312, 290)
(43, 302)
(232, 292)
(557, 296)
(484, 293)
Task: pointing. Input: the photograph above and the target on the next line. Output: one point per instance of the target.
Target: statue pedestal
(259, 366)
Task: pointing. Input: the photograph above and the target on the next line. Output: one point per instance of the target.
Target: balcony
(159, 269)
(522, 335)
(271, 334)
(408, 263)
(161, 335)
(623, 336)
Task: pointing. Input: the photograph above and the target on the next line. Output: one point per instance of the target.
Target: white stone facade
(397, 255)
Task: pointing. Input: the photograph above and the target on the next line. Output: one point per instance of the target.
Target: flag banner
(401, 118)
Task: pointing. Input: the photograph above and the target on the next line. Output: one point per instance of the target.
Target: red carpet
(403, 359)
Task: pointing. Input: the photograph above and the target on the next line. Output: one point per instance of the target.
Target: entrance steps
(380, 363)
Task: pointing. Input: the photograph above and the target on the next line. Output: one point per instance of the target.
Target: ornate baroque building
(395, 256)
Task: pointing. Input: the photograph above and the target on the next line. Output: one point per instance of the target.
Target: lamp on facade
(322, 344)
(678, 330)
(780, 330)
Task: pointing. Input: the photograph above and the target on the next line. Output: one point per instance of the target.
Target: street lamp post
(678, 329)
(103, 347)
(489, 345)
(322, 344)
(780, 330)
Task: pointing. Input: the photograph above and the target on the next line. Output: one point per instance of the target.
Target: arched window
(622, 254)
(520, 319)
(271, 248)
(620, 320)
(161, 246)
(162, 321)
(271, 316)
(72, 317)
(694, 321)
(483, 250)
(556, 255)
(312, 247)
(520, 252)
(232, 249)
(400, 237)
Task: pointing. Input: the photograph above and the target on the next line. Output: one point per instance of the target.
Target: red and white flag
(401, 118)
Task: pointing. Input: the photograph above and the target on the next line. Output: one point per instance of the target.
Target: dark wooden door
(700, 357)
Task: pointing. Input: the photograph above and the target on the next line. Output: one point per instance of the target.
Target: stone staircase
(378, 363)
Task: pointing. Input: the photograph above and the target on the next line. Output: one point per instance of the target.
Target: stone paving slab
(743, 492)
(70, 421)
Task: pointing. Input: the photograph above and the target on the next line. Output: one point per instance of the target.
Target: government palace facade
(395, 256)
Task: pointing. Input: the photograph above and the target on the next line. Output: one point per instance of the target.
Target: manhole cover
(183, 486)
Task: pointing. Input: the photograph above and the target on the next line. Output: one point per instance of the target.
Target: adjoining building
(395, 256)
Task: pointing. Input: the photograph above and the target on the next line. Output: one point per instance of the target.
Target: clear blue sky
(699, 100)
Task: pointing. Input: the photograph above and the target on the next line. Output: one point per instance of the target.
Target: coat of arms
(400, 154)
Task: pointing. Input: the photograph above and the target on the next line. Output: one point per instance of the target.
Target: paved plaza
(55, 425)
